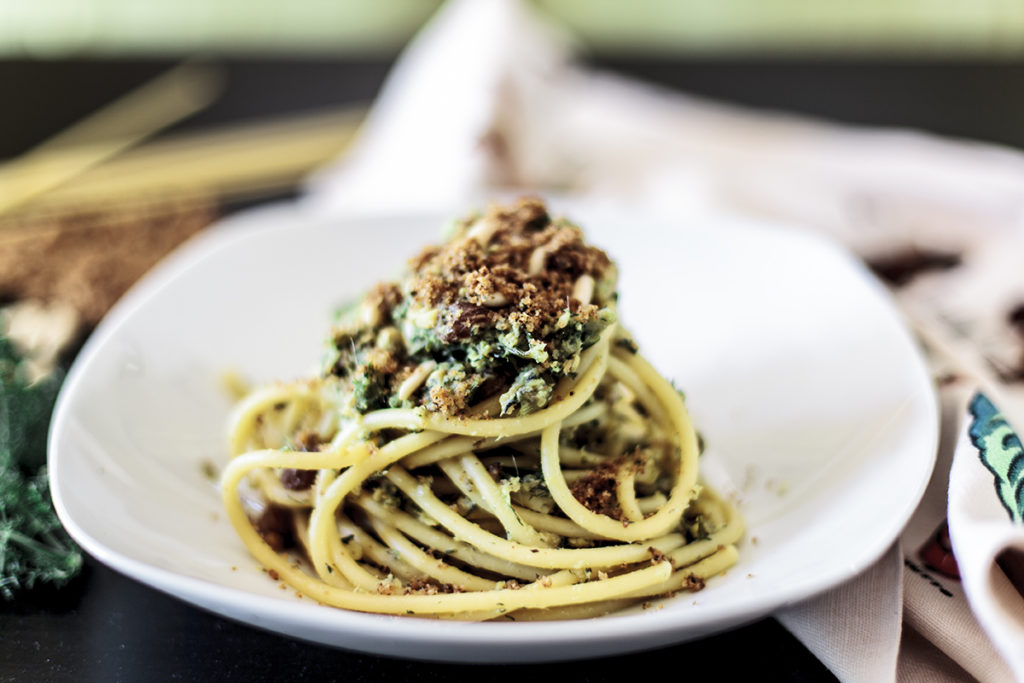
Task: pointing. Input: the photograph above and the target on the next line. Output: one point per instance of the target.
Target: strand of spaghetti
(393, 418)
(712, 565)
(665, 392)
(461, 482)
(444, 544)
(246, 414)
(728, 522)
(302, 533)
(620, 370)
(443, 486)
(652, 502)
(554, 413)
(454, 445)
(344, 436)
(556, 525)
(291, 416)
(266, 396)
(321, 521)
(272, 457)
(323, 481)
(350, 571)
(719, 512)
(290, 411)
(270, 484)
(661, 521)
(548, 558)
(350, 533)
(588, 413)
(564, 577)
(430, 566)
(696, 550)
(495, 502)
(625, 410)
(345, 562)
(574, 457)
(684, 488)
(268, 481)
(529, 443)
(582, 416)
(569, 457)
(429, 456)
(716, 516)
(625, 491)
(359, 576)
(589, 610)
(511, 461)
(572, 476)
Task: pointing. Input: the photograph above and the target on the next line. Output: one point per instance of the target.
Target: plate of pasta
(442, 437)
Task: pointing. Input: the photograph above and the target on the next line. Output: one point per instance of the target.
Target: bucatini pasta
(484, 442)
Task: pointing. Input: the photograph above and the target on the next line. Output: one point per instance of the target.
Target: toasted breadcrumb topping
(493, 279)
(505, 307)
(596, 490)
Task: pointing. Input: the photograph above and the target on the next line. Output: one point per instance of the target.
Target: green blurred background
(859, 28)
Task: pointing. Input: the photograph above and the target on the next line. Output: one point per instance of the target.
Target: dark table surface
(105, 627)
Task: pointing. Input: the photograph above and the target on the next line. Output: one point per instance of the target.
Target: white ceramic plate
(816, 406)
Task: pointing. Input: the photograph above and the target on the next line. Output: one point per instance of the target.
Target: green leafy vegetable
(33, 545)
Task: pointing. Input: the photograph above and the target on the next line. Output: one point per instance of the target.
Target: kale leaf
(33, 545)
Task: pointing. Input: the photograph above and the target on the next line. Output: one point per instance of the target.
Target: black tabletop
(106, 627)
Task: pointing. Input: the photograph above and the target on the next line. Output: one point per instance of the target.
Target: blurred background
(948, 66)
(271, 90)
(907, 28)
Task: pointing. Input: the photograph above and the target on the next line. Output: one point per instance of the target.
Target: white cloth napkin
(488, 99)
(986, 508)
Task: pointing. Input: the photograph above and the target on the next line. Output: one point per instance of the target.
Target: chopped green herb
(482, 315)
(627, 344)
(209, 470)
(34, 548)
